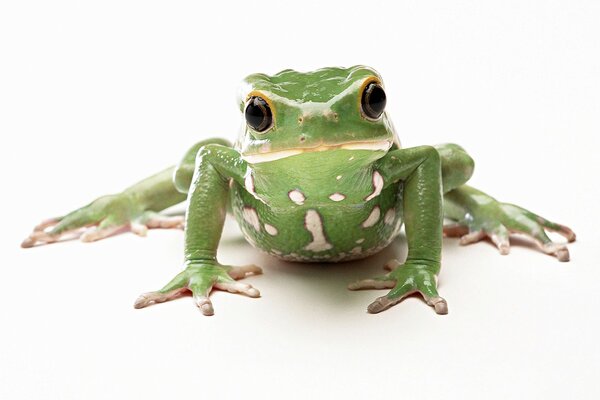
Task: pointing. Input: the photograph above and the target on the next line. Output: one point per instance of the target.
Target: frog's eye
(258, 114)
(373, 100)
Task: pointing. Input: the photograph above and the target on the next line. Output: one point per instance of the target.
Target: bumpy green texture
(322, 181)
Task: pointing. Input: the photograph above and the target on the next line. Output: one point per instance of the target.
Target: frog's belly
(320, 232)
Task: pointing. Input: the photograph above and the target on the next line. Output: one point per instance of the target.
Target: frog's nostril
(302, 138)
(331, 115)
(300, 120)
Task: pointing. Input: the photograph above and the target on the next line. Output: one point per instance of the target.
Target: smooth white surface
(96, 96)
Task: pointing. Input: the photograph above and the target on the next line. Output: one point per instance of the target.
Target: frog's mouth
(372, 145)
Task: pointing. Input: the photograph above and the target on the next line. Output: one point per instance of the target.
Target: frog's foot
(153, 220)
(200, 279)
(404, 280)
(497, 221)
(104, 217)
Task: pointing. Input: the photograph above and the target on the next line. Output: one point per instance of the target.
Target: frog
(317, 174)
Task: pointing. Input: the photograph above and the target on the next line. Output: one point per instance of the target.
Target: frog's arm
(215, 166)
(135, 209)
(478, 215)
(420, 169)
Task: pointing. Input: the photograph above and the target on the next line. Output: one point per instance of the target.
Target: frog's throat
(256, 158)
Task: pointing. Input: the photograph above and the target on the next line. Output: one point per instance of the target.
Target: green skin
(323, 184)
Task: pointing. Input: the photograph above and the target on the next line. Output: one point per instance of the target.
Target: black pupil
(373, 100)
(258, 114)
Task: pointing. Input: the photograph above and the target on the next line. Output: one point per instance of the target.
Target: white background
(95, 95)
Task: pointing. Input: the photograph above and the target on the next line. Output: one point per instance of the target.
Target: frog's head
(292, 112)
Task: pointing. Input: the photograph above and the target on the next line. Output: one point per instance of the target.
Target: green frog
(317, 174)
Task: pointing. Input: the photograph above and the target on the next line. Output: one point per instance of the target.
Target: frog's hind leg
(136, 209)
(457, 166)
(478, 216)
(94, 222)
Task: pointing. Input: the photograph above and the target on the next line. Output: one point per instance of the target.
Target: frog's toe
(498, 235)
(472, 237)
(95, 233)
(38, 237)
(383, 303)
(151, 220)
(146, 299)
(138, 229)
(154, 220)
(237, 287)
(43, 234)
(372, 284)
(204, 304)
(244, 271)
(558, 250)
(438, 303)
(392, 265)
(563, 230)
(47, 223)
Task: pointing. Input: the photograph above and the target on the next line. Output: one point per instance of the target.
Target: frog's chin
(370, 145)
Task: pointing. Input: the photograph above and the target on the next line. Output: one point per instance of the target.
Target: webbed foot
(404, 280)
(104, 217)
(200, 278)
(497, 221)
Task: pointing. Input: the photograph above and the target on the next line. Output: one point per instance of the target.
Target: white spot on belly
(337, 197)
(377, 186)
(338, 177)
(271, 230)
(356, 251)
(251, 217)
(372, 218)
(398, 226)
(297, 197)
(249, 184)
(390, 216)
(314, 224)
(359, 241)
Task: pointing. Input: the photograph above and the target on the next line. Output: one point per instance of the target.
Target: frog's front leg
(207, 204)
(420, 170)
